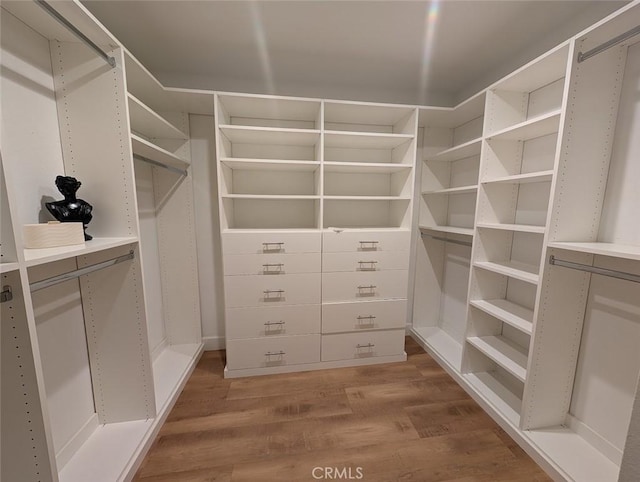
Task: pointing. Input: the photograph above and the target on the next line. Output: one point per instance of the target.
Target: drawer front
(362, 316)
(363, 241)
(260, 290)
(365, 261)
(271, 264)
(272, 321)
(368, 344)
(364, 286)
(270, 242)
(273, 352)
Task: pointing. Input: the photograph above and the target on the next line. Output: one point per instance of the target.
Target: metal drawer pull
(278, 353)
(368, 345)
(367, 287)
(268, 292)
(273, 268)
(273, 295)
(272, 323)
(369, 317)
(367, 265)
(272, 246)
(370, 245)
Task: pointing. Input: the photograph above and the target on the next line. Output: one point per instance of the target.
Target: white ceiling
(361, 50)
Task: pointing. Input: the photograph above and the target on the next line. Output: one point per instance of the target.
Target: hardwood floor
(396, 422)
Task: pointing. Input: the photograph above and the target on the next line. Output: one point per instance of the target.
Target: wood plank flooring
(396, 422)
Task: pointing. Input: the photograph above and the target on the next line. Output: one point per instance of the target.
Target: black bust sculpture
(71, 209)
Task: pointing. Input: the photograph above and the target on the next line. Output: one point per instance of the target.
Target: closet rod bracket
(74, 30)
(6, 294)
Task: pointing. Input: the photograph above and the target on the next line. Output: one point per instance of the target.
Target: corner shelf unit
(554, 257)
(83, 390)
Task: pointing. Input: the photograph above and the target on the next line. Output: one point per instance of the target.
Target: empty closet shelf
(521, 228)
(365, 140)
(504, 352)
(497, 394)
(448, 229)
(270, 135)
(455, 153)
(148, 150)
(453, 190)
(539, 176)
(615, 250)
(149, 123)
(513, 269)
(366, 167)
(269, 165)
(508, 312)
(530, 129)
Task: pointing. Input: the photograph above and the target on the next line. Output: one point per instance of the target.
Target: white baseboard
(213, 343)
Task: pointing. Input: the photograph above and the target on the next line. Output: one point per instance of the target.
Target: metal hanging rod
(54, 280)
(608, 44)
(447, 240)
(72, 28)
(593, 269)
(182, 172)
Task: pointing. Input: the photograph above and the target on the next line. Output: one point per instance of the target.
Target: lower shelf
(440, 344)
(505, 353)
(498, 394)
(114, 451)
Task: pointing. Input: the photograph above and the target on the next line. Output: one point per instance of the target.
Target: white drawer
(366, 240)
(364, 286)
(269, 321)
(347, 346)
(365, 261)
(260, 290)
(271, 242)
(273, 352)
(271, 264)
(362, 316)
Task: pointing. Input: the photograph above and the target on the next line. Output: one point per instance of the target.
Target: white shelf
(270, 196)
(267, 107)
(615, 250)
(367, 198)
(448, 229)
(497, 395)
(454, 190)
(540, 176)
(443, 344)
(149, 150)
(513, 269)
(508, 312)
(530, 129)
(366, 167)
(505, 353)
(7, 267)
(270, 135)
(451, 117)
(364, 140)
(349, 112)
(147, 122)
(34, 257)
(456, 153)
(521, 228)
(269, 165)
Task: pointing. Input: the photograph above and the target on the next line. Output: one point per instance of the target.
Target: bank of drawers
(272, 297)
(364, 291)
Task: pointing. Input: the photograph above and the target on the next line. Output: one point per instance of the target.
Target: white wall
(205, 193)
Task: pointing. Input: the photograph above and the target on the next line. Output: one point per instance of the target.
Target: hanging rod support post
(182, 172)
(446, 240)
(54, 280)
(6, 294)
(608, 44)
(74, 30)
(594, 269)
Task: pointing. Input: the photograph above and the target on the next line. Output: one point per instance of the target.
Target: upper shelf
(464, 112)
(455, 153)
(365, 140)
(367, 114)
(530, 129)
(270, 135)
(148, 150)
(269, 165)
(34, 257)
(366, 167)
(268, 107)
(147, 122)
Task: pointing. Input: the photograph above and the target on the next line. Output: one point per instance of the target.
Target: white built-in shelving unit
(92, 364)
(543, 335)
(315, 205)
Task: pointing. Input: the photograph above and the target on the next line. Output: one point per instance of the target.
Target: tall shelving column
(452, 139)
(269, 184)
(519, 157)
(368, 179)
